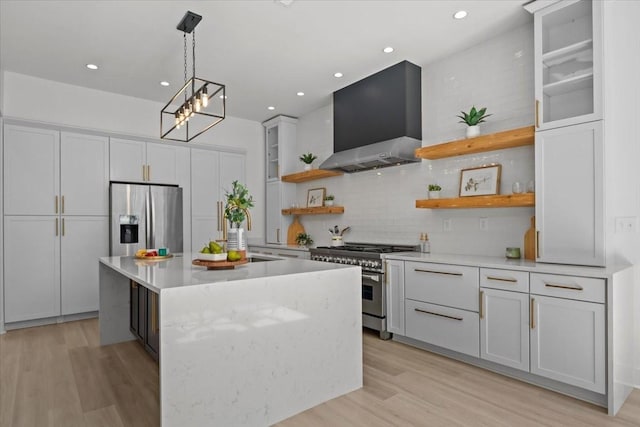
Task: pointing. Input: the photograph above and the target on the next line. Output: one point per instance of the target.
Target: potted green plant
(236, 211)
(307, 159)
(472, 120)
(434, 191)
(304, 239)
(328, 200)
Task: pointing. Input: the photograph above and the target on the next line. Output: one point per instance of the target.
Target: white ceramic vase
(473, 131)
(328, 202)
(434, 194)
(307, 166)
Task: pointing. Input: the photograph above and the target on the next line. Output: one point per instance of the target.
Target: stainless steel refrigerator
(144, 217)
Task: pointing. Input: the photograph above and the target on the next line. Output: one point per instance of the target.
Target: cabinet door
(134, 323)
(203, 230)
(232, 168)
(31, 171)
(205, 182)
(568, 342)
(504, 328)
(395, 296)
(152, 327)
(274, 232)
(127, 160)
(166, 163)
(569, 195)
(84, 240)
(31, 267)
(84, 174)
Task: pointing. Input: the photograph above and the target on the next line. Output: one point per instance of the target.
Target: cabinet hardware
(537, 113)
(63, 226)
(502, 279)
(532, 313)
(148, 172)
(572, 288)
(537, 244)
(438, 314)
(56, 226)
(482, 304)
(56, 205)
(218, 214)
(278, 235)
(62, 204)
(144, 173)
(437, 272)
(134, 285)
(288, 255)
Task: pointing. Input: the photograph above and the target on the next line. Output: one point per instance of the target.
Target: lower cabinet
(144, 317)
(395, 296)
(281, 252)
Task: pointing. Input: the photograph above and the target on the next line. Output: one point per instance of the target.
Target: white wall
(497, 74)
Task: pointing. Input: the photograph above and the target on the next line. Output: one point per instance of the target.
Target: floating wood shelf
(309, 175)
(495, 201)
(495, 141)
(323, 210)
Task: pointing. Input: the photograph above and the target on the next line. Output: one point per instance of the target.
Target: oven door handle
(374, 277)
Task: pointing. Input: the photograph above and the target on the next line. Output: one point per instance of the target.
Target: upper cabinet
(280, 140)
(568, 68)
(139, 161)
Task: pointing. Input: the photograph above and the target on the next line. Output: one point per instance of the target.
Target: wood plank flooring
(59, 375)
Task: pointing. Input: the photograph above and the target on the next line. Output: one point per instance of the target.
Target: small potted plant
(473, 119)
(434, 191)
(307, 159)
(304, 239)
(328, 200)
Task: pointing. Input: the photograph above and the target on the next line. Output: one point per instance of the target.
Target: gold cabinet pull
(148, 172)
(537, 113)
(436, 272)
(144, 173)
(537, 244)
(482, 304)
(134, 285)
(532, 313)
(438, 314)
(569, 287)
(62, 205)
(63, 226)
(502, 279)
(56, 226)
(56, 205)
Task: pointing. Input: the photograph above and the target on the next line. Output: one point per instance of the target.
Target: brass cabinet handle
(537, 113)
(437, 272)
(537, 244)
(572, 288)
(148, 172)
(56, 205)
(56, 226)
(482, 304)
(63, 226)
(502, 279)
(532, 313)
(62, 204)
(438, 314)
(133, 284)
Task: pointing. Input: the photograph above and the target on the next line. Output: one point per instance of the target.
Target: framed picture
(480, 181)
(315, 197)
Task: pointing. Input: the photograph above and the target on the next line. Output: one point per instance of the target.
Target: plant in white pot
(473, 120)
(307, 159)
(328, 200)
(236, 211)
(304, 239)
(434, 191)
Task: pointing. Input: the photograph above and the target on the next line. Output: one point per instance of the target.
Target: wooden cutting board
(294, 229)
(530, 241)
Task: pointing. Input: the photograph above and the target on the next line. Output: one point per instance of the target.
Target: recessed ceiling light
(270, 107)
(461, 14)
(92, 66)
(223, 97)
(338, 75)
(164, 83)
(300, 94)
(379, 173)
(387, 49)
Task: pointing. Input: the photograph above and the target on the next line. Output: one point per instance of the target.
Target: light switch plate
(484, 224)
(626, 224)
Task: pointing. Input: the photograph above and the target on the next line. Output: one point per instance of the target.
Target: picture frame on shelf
(315, 197)
(480, 181)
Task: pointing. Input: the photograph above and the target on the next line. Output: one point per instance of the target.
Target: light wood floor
(59, 375)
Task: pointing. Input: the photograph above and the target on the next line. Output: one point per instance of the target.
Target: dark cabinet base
(144, 317)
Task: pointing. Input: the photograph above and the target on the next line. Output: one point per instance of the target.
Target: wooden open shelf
(495, 141)
(323, 210)
(309, 175)
(495, 201)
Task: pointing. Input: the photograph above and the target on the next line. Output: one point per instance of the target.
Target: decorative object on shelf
(185, 111)
(307, 159)
(304, 239)
(480, 181)
(434, 191)
(315, 197)
(513, 253)
(294, 229)
(516, 187)
(473, 119)
(328, 200)
(236, 211)
(530, 241)
(531, 187)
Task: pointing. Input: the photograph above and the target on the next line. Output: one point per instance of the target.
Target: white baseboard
(50, 320)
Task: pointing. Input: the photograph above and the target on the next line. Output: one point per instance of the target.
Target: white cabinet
(212, 174)
(570, 195)
(278, 194)
(127, 160)
(395, 296)
(139, 161)
(82, 241)
(450, 285)
(31, 267)
(568, 63)
(568, 341)
(281, 252)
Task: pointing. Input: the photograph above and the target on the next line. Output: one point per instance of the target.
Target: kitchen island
(244, 347)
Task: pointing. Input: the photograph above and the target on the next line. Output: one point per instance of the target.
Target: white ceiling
(263, 51)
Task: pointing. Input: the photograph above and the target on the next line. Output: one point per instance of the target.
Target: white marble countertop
(179, 272)
(511, 264)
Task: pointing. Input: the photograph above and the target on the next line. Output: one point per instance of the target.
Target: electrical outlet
(626, 224)
(446, 225)
(484, 224)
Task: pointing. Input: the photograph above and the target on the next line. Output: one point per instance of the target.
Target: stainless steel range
(369, 257)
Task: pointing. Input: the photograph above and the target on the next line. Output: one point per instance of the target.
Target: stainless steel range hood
(393, 152)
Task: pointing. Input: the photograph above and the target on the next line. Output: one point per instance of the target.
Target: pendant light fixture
(199, 104)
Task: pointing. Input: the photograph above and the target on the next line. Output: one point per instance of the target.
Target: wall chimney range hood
(377, 121)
